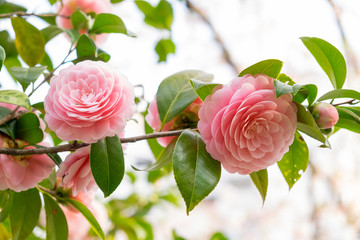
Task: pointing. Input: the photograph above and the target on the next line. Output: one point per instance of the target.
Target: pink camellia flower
(325, 115)
(187, 118)
(88, 101)
(244, 125)
(21, 173)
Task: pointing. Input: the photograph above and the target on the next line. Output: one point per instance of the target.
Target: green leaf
(163, 159)
(107, 164)
(108, 23)
(154, 145)
(202, 89)
(176, 236)
(85, 47)
(28, 129)
(295, 161)
(26, 76)
(49, 19)
(6, 7)
(8, 44)
(282, 88)
(270, 67)
(29, 42)
(9, 127)
(56, 224)
(52, 2)
(302, 92)
(73, 34)
(260, 179)
(218, 236)
(24, 213)
(175, 93)
(88, 215)
(15, 97)
(2, 56)
(163, 48)
(50, 32)
(160, 17)
(307, 125)
(47, 62)
(349, 118)
(285, 79)
(79, 20)
(340, 93)
(196, 172)
(329, 58)
(6, 202)
(116, 1)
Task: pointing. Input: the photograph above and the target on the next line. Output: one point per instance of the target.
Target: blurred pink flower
(186, 119)
(244, 125)
(88, 101)
(21, 173)
(325, 115)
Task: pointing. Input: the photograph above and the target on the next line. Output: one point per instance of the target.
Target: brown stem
(14, 114)
(25, 14)
(343, 103)
(217, 36)
(75, 145)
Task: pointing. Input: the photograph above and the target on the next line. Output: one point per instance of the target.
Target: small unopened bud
(325, 115)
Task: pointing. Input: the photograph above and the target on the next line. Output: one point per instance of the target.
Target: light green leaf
(15, 97)
(349, 118)
(50, 32)
(340, 93)
(95, 226)
(302, 92)
(26, 76)
(160, 17)
(270, 67)
(329, 58)
(196, 172)
(24, 213)
(107, 164)
(285, 79)
(79, 20)
(108, 23)
(2, 56)
(56, 224)
(260, 179)
(28, 129)
(7, 7)
(175, 93)
(163, 48)
(29, 42)
(6, 197)
(202, 89)
(295, 161)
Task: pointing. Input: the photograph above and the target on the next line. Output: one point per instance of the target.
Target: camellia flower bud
(325, 115)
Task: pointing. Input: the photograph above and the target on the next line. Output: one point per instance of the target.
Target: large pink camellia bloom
(21, 173)
(186, 119)
(244, 125)
(88, 101)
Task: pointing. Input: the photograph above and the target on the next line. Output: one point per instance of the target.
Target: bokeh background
(222, 37)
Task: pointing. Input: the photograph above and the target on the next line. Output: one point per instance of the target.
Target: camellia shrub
(194, 126)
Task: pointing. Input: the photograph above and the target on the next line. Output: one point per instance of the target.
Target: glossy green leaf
(6, 197)
(107, 164)
(49, 19)
(164, 158)
(7, 7)
(202, 89)
(85, 47)
(285, 79)
(270, 67)
(163, 48)
(302, 92)
(2, 56)
(79, 20)
(95, 226)
(282, 88)
(340, 93)
(9, 127)
(108, 23)
(160, 17)
(295, 161)
(307, 125)
(29, 42)
(349, 118)
(26, 76)
(28, 129)
(260, 179)
(50, 32)
(15, 97)
(175, 93)
(56, 224)
(329, 58)
(24, 213)
(196, 172)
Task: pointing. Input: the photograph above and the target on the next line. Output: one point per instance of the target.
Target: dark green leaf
(50, 32)
(2, 56)
(163, 48)
(260, 179)
(6, 202)
(107, 164)
(6, 7)
(340, 93)
(202, 89)
(85, 47)
(24, 213)
(39, 106)
(8, 44)
(175, 93)
(26, 76)
(108, 23)
(28, 128)
(9, 127)
(56, 224)
(79, 20)
(196, 172)
(88, 215)
(270, 67)
(329, 58)
(302, 92)
(295, 161)
(15, 97)
(29, 42)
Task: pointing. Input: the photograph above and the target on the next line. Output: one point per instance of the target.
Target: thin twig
(25, 14)
(217, 36)
(343, 103)
(75, 145)
(14, 114)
